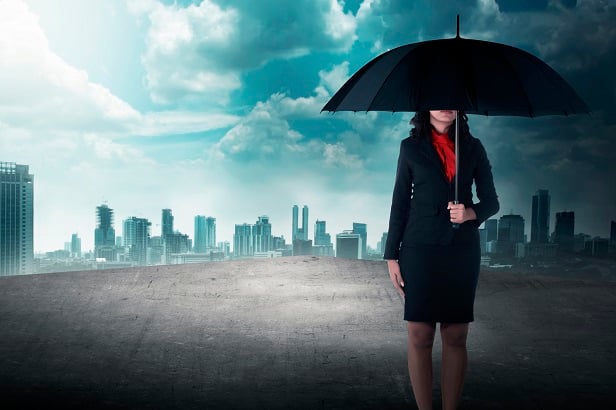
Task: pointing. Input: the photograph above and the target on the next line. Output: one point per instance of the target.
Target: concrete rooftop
(290, 333)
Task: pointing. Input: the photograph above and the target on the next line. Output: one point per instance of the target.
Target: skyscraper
(491, 226)
(540, 218)
(564, 231)
(613, 233)
(16, 219)
(305, 223)
(242, 240)
(361, 229)
(166, 223)
(200, 234)
(262, 235)
(294, 223)
(510, 233)
(321, 237)
(104, 234)
(210, 232)
(75, 246)
(136, 236)
(383, 242)
(348, 245)
(297, 232)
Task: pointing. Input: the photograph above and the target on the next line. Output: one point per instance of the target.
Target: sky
(213, 108)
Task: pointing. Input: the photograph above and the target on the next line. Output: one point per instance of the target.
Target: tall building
(262, 235)
(210, 236)
(491, 227)
(540, 218)
(613, 233)
(511, 228)
(297, 232)
(242, 241)
(16, 219)
(294, 223)
(104, 234)
(75, 246)
(348, 245)
(361, 229)
(166, 223)
(383, 242)
(200, 234)
(136, 236)
(175, 243)
(564, 231)
(321, 237)
(510, 233)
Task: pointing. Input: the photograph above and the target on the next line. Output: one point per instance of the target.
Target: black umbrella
(477, 77)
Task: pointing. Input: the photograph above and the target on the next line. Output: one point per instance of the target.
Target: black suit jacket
(419, 213)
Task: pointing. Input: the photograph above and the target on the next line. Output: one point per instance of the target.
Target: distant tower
(242, 240)
(361, 229)
(491, 226)
(510, 232)
(16, 219)
(262, 235)
(200, 234)
(383, 242)
(210, 232)
(104, 234)
(613, 232)
(540, 218)
(564, 231)
(348, 245)
(297, 232)
(321, 237)
(136, 237)
(305, 223)
(166, 223)
(75, 246)
(294, 223)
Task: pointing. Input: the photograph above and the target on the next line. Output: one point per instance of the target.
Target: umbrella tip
(457, 26)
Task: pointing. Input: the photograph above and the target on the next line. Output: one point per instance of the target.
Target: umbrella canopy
(474, 76)
(477, 77)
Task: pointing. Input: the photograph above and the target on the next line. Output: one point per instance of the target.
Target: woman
(432, 248)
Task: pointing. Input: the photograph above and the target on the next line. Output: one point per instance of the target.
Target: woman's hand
(395, 275)
(459, 214)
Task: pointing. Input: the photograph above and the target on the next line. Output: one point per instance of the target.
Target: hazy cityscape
(503, 240)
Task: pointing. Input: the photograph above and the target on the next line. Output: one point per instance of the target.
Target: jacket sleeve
(484, 183)
(400, 204)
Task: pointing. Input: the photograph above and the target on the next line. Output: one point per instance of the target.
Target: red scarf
(445, 149)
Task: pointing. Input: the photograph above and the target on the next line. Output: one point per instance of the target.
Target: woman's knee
(454, 334)
(421, 335)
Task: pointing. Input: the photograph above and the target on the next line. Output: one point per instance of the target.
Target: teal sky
(213, 108)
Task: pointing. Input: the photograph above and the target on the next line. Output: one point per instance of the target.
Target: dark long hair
(422, 127)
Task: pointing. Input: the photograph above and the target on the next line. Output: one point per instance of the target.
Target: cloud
(198, 53)
(43, 93)
(40, 89)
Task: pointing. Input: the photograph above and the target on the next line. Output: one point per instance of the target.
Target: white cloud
(199, 53)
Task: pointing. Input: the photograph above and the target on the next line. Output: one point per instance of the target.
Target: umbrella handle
(455, 225)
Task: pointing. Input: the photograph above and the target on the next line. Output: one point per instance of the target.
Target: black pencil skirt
(440, 281)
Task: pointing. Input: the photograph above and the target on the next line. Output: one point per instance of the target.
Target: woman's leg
(421, 339)
(454, 362)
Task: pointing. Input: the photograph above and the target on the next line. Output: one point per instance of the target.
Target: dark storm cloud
(573, 157)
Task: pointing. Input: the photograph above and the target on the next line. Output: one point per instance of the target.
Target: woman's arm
(400, 204)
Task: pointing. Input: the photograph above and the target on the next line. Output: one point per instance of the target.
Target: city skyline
(212, 107)
(527, 232)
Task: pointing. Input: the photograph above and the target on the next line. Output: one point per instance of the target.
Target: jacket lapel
(429, 152)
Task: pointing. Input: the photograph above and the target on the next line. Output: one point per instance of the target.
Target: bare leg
(454, 363)
(421, 339)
